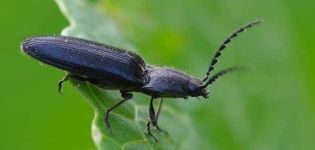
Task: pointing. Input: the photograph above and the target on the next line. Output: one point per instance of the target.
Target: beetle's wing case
(88, 59)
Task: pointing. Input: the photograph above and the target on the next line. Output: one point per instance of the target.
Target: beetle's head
(194, 89)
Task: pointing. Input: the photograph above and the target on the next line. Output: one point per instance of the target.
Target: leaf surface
(90, 20)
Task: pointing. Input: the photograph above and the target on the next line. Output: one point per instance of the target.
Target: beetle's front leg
(152, 113)
(148, 130)
(126, 96)
(153, 117)
(157, 117)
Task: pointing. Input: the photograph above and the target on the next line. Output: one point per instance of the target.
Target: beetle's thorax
(168, 82)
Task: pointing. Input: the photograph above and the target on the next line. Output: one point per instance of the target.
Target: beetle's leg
(148, 130)
(126, 96)
(65, 78)
(159, 110)
(152, 120)
(157, 117)
(60, 82)
(153, 117)
(152, 113)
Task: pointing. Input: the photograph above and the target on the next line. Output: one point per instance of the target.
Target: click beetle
(117, 69)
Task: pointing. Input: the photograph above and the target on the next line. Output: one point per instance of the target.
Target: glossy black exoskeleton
(117, 69)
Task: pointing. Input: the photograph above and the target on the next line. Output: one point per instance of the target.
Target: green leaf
(90, 20)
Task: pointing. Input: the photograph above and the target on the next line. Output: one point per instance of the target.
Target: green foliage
(271, 107)
(128, 121)
(248, 113)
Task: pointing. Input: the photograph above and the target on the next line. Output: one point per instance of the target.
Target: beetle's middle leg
(126, 96)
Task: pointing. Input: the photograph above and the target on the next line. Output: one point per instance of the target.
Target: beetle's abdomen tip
(28, 46)
(34, 46)
(25, 48)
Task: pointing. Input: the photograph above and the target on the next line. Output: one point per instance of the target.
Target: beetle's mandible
(117, 69)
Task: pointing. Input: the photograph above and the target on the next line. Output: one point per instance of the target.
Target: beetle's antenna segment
(221, 73)
(224, 44)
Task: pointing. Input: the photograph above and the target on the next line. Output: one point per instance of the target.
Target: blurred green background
(271, 107)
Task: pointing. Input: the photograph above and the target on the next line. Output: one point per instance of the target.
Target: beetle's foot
(148, 131)
(60, 83)
(161, 130)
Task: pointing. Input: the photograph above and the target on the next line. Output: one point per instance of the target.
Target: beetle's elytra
(117, 69)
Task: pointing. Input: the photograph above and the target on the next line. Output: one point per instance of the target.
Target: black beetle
(117, 69)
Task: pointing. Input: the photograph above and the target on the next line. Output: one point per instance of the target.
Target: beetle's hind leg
(126, 96)
(60, 82)
(65, 78)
